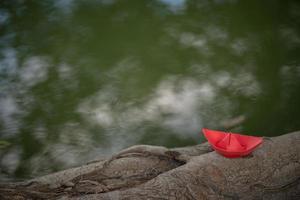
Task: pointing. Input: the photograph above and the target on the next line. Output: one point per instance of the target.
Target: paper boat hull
(233, 146)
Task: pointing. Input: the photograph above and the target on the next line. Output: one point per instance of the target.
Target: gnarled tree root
(197, 172)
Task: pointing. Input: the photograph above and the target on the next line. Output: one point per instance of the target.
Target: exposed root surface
(150, 172)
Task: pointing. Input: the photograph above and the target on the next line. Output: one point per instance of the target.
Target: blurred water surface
(83, 79)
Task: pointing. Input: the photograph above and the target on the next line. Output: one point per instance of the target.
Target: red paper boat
(231, 145)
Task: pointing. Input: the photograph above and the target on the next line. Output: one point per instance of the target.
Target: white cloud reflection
(34, 70)
(290, 74)
(8, 64)
(4, 16)
(9, 111)
(216, 33)
(176, 107)
(239, 46)
(199, 42)
(180, 105)
(10, 160)
(245, 84)
(174, 5)
(65, 6)
(290, 37)
(20, 79)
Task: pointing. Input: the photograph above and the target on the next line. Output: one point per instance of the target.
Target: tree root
(151, 172)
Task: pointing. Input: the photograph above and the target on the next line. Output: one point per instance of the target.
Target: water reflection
(174, 5)
(65, 6)
(85, 79)
(33, 71)
(4, 17)
(8, 63)
(9, 111)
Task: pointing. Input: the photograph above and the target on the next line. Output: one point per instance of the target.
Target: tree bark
(272, 171)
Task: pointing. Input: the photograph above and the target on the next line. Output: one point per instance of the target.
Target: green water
(80, 80)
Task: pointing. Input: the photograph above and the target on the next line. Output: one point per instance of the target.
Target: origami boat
(231, 145)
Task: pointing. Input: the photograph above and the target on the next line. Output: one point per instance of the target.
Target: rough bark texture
(197, 172)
